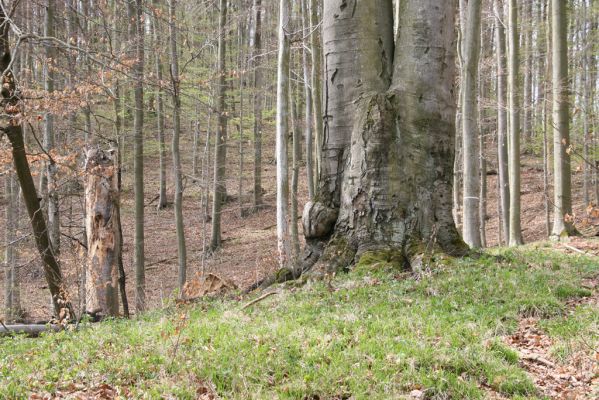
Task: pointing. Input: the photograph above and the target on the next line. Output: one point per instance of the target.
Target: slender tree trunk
(458, 159)
(221, 135)
(256, 49)
(470, 128)
(196, 141)
(527, 25)
(295, 158)
(545, 97)
(181, 246)
(206, 166)
(308, 122)
(316, 48)
(160, 112)
(12, 303)
(118, 125)
(586, 108)
(482, 210)
(502, 146)
(515, 230)
(51, 179)
(138, 144)
(241, 66)
(282, 136)
(118, 144)
(562, 213)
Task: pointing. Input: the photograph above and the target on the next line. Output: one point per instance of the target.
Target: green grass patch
(377, 335)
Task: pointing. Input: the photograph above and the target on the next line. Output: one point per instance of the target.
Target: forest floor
(512, 324)
(522, 327)
(249, 243)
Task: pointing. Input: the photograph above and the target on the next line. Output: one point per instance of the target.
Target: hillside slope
(458, 330)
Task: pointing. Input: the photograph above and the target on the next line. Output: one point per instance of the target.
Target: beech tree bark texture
(387, 159)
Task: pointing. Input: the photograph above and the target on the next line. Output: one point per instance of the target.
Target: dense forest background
(183, 96)
(299, 199)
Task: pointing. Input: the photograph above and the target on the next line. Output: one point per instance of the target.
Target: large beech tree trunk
(387, 158)
(103, 237)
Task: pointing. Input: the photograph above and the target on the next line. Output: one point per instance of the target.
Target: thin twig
(264, 296)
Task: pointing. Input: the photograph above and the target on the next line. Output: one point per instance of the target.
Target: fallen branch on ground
(258, 299)
(31, 330)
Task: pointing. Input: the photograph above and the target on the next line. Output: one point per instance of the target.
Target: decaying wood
(102, 227)
(32, 330)
(205, 285)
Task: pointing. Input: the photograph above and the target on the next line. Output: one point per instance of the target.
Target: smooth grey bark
(256, 48)
(546, 120)
(308, 106)
(220, 141)
(502, 145)
(12, 302)
(470, 128)
(195, 126)
(562, 207)
(387, 160)
(176, 98)
(51, 190)
(515, 230)
(282, 136)
(587, 85)
(317, 58)
(527, 28)
(295, 160)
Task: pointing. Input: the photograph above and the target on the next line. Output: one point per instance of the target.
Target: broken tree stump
(102, 228)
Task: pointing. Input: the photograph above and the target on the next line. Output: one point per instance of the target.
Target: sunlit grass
(375, 335)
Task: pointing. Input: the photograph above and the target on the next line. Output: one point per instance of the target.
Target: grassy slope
(375, 335)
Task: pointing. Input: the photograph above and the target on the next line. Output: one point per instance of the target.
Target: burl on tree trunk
(385, 187)
(102, 227)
